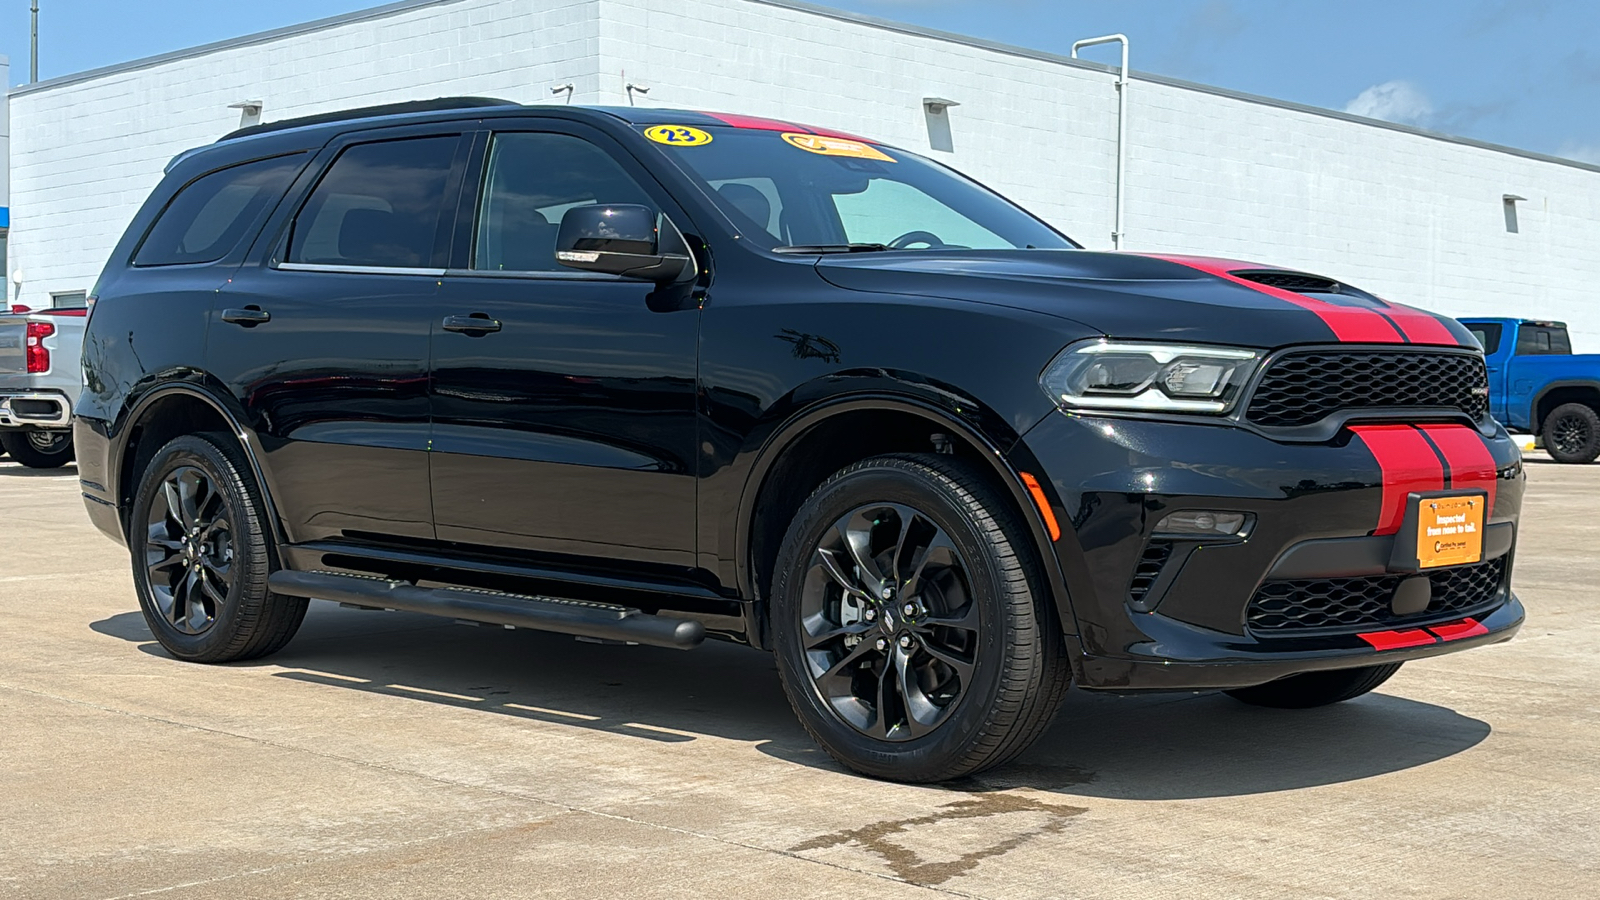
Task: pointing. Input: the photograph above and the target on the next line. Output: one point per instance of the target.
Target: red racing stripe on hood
(1420, 327)
(1408, 462)
(1349, 324)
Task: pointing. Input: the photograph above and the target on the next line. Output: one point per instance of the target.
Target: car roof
(630, 115)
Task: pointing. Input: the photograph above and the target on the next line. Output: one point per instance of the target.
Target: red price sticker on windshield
(828, 146)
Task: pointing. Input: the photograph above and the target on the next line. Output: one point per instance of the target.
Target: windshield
(795, 192)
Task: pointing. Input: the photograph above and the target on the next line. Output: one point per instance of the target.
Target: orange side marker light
(1040, 501)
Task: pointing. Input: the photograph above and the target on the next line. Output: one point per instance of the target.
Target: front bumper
(1183, 618)
(35, 409)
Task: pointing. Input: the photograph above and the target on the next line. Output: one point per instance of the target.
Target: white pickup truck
(39, 378)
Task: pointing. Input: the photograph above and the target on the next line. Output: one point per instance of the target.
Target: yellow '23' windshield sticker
(677, 135)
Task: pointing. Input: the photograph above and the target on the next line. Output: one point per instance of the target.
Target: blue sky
(1525, 73)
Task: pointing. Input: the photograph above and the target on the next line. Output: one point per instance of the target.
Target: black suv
(650, 375)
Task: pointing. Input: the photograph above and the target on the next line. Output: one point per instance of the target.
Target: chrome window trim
(359, 270)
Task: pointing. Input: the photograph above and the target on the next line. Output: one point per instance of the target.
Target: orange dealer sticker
(1449, 531)
(829, 146)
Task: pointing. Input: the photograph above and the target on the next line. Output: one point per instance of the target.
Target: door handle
(249, 317)
(475, 324)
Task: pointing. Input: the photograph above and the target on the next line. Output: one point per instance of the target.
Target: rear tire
(202, 554)
(1313, 689)
(1571, 433)
(965, 681)
(38, 449)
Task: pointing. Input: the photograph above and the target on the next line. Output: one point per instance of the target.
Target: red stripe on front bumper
(1453, 631)
(1394, 640)
(1471, 463)
(1408, 463)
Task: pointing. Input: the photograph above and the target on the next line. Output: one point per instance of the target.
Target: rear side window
(1533, 340)
(1488, 335)
(211, 213)
(380, 204)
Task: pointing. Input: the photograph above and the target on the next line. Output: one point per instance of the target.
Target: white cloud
(1589, 153)
(1393, 101)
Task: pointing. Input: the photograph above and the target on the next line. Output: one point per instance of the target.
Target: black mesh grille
(1149, 568)
(1357, 604)
(1303, 388)
(1292, 281)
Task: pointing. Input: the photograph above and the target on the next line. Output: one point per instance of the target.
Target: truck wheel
(1315, 688)
(39, 449)
(912, 634)
(201, 556)
(1572, 433)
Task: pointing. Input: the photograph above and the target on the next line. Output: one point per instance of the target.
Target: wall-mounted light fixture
(249, 112)
(1509, 203)
(1122, 124)
(563, 89)
(936, 110)
(636, 89)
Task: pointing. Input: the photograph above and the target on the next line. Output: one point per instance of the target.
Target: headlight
(1101, 374)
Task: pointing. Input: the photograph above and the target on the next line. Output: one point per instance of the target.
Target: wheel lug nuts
(870, 615)
(909, 609)
(882, 644)
(905, 642)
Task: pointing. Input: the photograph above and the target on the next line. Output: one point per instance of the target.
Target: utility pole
(33, 47)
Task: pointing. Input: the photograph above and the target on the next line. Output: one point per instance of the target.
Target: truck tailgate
(13, 352)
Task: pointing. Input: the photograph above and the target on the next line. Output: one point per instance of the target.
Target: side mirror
(619, 239)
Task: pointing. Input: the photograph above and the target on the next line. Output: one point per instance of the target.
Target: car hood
(1138, 296)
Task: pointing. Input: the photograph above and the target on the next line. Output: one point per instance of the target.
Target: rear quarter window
(1538, 340)
(209, 215)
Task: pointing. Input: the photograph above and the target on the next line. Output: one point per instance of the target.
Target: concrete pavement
(391, 755)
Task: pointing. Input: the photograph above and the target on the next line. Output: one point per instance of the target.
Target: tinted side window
(380, 204)
(1488, 336)
(1538, 341)
(532, 180)
(211, 213)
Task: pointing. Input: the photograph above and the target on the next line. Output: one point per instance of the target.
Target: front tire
(1572, 433)
(1313, 689)
(39, 449)
(914, 639)
(201, 556)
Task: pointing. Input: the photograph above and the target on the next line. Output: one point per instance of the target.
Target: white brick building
(1417, 217)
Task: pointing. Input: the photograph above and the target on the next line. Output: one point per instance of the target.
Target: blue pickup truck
(1538, 386)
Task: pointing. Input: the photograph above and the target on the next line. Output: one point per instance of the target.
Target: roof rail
(366, 112)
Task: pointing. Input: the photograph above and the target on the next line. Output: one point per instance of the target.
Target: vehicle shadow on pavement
(9, 469)
(1154, 747)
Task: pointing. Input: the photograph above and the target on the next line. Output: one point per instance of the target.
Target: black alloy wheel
(891, 629)
(38, 449)
(1572, 433)
(202, 554)
(913, 635)
(189, 550)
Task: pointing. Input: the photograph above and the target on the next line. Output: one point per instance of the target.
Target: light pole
(33, 46)
(1122, 121)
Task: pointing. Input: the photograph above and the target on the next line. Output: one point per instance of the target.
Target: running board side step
(601, 621)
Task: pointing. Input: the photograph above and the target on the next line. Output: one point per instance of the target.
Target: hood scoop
(1298, 282)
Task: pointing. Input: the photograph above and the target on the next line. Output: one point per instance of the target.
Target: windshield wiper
(831, 248)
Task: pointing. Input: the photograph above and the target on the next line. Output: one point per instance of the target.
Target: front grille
(1358, 604)
(1305, 387)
